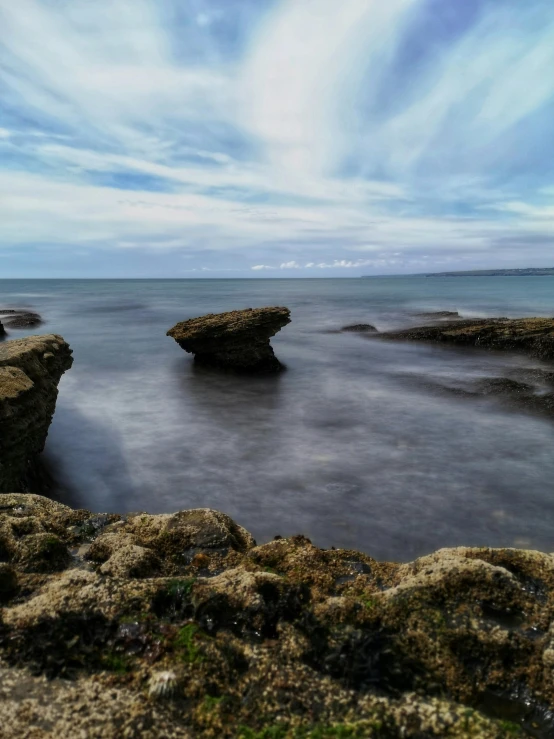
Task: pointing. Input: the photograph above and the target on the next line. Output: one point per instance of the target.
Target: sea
(361, 443)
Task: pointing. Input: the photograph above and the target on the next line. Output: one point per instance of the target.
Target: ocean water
(360, 443)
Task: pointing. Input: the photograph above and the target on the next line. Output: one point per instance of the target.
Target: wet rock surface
(181, 626)
(237, 341)
(30, 370)
(532, 336)
(13, 318)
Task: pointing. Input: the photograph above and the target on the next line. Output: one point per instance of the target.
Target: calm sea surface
(359, 444)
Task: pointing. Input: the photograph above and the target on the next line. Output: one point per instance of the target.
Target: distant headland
(524, 272)
(527, 272)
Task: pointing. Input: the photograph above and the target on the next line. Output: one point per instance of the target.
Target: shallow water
(358, 444)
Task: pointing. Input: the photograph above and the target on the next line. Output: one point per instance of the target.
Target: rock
(283, 639)
(503, 386)
(30, 370)
(439, 314)
(131, 561)
(8, 581)
(42, 552)
(237, 341)
(2, 330)
(178, 538)
(532, 336)
(360, 328)
(23, 320)
(19, 318)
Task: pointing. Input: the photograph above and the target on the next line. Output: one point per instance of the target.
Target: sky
(275, 138)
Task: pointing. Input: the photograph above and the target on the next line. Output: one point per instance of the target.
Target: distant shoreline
(526, 272)
(529, 272)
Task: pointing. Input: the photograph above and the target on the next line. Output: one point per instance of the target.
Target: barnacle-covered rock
(185, 627)
(131, 561)
(238, 340)
(42, 553)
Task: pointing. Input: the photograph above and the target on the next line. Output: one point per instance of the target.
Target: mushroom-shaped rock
(238, 340)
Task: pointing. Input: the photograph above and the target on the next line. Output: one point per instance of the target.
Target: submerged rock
(284, 639)
(533, 336)
(360, 328)
(30, 370)
(20, 318)
(238, 340)
(439, 314)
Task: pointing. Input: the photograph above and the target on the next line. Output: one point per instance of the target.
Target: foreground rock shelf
(178, 625)
(236, 341)
(30, 370)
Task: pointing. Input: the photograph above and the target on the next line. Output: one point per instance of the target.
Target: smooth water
(356, 445)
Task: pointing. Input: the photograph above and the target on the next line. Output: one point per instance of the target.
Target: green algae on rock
(30, 370)
(179, 625)
(237, 341)
(533, 336)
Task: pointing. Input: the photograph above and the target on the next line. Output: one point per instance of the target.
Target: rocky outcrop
(30, 370)
(533, 336)
(180, 626)
(237, 341)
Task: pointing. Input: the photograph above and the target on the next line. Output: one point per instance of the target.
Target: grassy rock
(30, 370)
(180, 626)
(238, 340)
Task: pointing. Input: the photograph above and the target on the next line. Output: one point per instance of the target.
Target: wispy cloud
(211, 136)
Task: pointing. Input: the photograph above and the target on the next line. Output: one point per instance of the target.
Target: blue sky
(275, 138)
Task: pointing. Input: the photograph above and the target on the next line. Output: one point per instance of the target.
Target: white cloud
(299, 64)
(162, 138)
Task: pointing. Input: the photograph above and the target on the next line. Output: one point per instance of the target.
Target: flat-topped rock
(30, 370)
(533, 336)
(237, 340)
